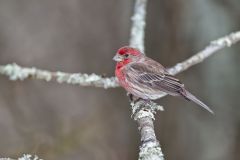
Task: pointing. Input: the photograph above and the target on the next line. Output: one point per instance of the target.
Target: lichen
(29, 157)
(151, 151)
(24, 157)
(15, 72)
(143, 109)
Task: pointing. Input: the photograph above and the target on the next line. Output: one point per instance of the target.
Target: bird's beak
(117, 58)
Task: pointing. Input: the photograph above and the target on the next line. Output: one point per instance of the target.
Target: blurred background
(60, 122)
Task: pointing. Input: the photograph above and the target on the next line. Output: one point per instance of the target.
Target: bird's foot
(132, 98)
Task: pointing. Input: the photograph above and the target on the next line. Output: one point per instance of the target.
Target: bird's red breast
(119, 72)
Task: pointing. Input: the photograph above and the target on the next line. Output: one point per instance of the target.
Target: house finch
(147, 79)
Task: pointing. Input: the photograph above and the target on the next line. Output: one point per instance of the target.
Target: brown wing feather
(147, 78)
(153, 75)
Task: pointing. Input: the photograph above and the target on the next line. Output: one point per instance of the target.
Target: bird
(147, 79)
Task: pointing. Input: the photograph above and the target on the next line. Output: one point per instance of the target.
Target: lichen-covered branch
(143, 112)
(212, 48)
(24, 157)
(138, 25)
(16, 72)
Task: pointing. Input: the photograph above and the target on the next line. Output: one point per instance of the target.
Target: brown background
(70, 122)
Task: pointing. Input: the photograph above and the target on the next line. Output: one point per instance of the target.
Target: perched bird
(147, 79)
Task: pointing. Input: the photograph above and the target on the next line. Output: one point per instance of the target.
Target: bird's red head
(129, 50)
(126, 54)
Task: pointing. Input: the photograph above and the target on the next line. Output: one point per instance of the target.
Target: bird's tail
(189, 96)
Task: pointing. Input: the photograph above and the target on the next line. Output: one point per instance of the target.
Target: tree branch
(143, 112)
(212, 48)
(24, 157)
(138, 25)
(16, 72)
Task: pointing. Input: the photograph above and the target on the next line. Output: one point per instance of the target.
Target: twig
(212, 48)
(16, 72)
(24, 157)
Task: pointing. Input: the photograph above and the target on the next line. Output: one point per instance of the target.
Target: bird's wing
(151, 74)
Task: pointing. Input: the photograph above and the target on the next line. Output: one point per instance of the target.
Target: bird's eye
(126, 55)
